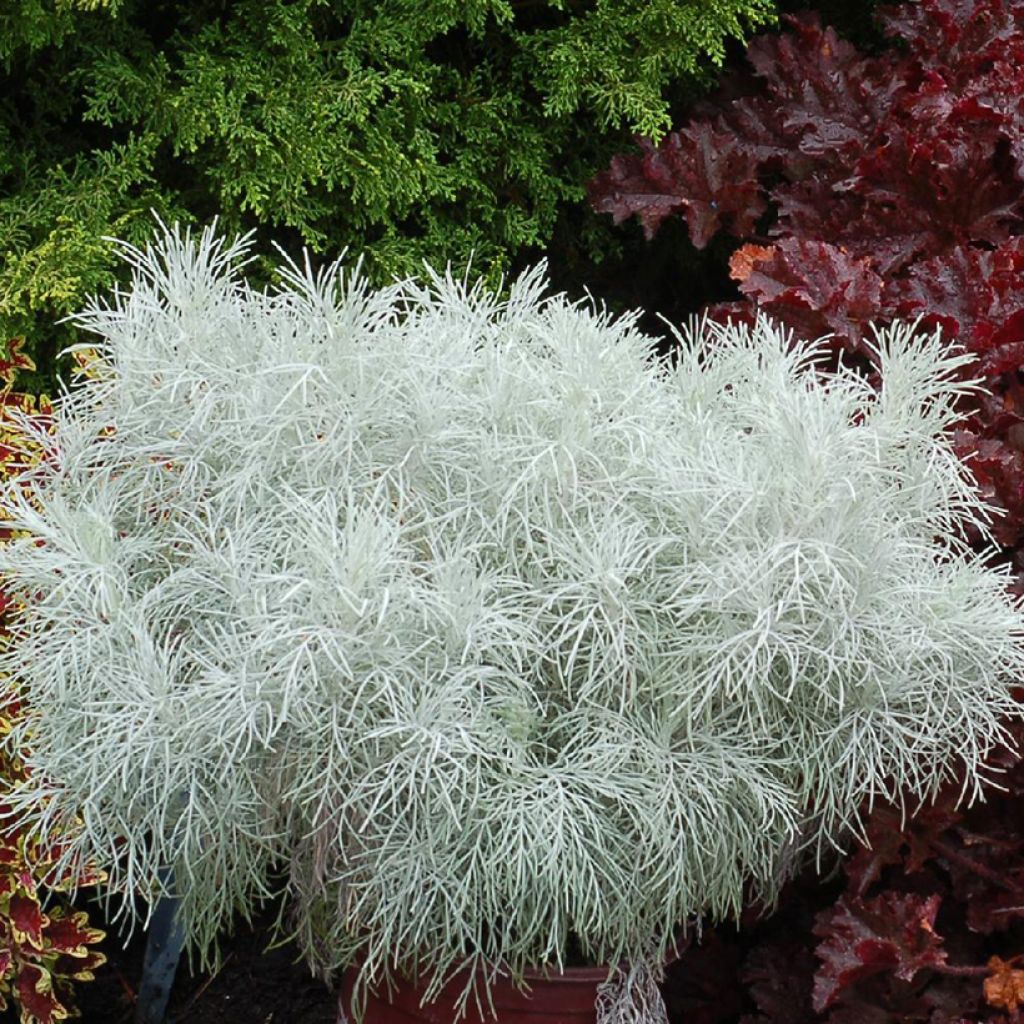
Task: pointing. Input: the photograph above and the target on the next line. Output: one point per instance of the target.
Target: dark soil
(257, 985)
(253, 986)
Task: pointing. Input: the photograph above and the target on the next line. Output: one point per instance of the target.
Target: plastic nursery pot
(566, 997)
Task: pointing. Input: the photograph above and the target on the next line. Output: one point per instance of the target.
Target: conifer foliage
(404, 128)
(870, 187)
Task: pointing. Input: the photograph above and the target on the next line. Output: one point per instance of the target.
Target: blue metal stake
(163, 951)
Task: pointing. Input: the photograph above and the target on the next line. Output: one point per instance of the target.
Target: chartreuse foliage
(42, 951)
(404, 128)
(494, 630)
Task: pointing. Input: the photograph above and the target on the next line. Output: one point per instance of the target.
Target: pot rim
(589, 974)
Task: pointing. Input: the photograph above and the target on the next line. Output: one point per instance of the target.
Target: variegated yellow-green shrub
(43, 952)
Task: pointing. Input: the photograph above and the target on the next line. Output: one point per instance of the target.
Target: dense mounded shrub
(870, 187)
(494, 630)
(404, 128)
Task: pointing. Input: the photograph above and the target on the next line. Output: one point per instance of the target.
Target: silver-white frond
(487, 626)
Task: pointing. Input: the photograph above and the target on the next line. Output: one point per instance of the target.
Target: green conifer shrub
(403, 128)
(489, 627)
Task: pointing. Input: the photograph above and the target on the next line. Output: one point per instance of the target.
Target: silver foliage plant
(489, 626)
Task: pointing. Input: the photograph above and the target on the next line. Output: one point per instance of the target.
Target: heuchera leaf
(897, 187)
(861, 937)
(704, 175)
(974, 294)
(819, 104)
(776, 977)
(999, 474)
(940, 191)
(940, 33)
(890, 840)
(817, 288)
(826, 95)
(1004, 987)
(991, 909)
(746, 257)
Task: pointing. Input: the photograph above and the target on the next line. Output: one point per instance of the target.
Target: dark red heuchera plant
(868, 189)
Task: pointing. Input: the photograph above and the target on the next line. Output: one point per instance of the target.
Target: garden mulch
(254, 985)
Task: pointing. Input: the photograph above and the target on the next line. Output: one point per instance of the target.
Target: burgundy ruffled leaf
(827, 98)
(892, 932)
(817, 289)
(996, 910)
(998, 471)
(884, 999)
(864, 866)
(979, 95)
(976, 47)
(624, 190)
(894, 839)
(876, 156)
(976, 296)
(983, 857)
(806, 213)
(966, 287)
(947, 190)
(1005, 347)
(910, 197)
(945, 33)
(997, 95)
(706, 176)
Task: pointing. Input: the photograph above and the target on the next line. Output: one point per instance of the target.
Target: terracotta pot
(565, 998)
